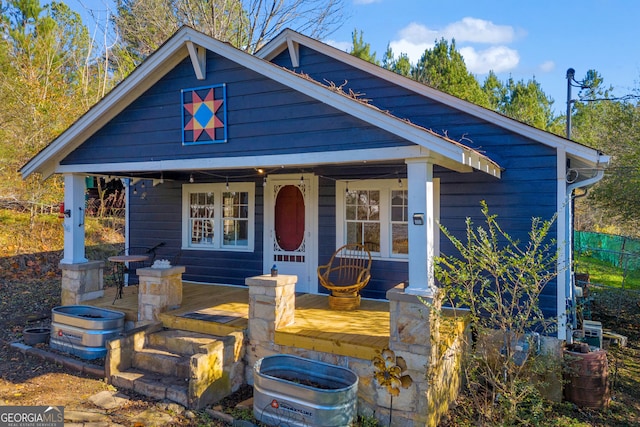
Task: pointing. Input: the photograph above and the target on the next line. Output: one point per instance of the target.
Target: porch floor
(220, 309)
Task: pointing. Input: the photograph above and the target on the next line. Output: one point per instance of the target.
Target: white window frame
(218, 189)
(385, 187)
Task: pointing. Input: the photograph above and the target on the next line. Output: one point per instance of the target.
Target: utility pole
(571, 73)
(572, 82)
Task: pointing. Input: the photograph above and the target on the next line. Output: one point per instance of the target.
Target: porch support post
(422, 225)
(74, 191)
(565, 243)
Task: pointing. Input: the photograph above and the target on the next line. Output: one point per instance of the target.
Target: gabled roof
(189, 42)
(581, 155)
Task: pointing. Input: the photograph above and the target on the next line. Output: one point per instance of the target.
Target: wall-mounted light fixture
(418, 219)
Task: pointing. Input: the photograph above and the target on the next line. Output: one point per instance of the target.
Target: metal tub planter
(293, 391)
(83, 330)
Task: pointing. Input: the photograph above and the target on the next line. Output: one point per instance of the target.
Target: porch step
(189, 368)
(162, 362)
(154, 385)
(181, 342)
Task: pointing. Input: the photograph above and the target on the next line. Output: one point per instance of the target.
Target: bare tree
(144, 25)
(315, 18)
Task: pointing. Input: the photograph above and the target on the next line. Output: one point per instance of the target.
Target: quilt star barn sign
(204, 115)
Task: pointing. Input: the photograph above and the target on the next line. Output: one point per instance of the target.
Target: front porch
(205, 349)
(222, 309)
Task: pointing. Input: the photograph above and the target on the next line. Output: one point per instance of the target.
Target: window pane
(354, 232)
(371, 234)
(400, 244)
(236, 227)
(363, 212)
(201, 218)
(236, 233)
(202, 231)
(351, 198)
(399, 205)
(374, 205)
(397, 213)
(351, 212)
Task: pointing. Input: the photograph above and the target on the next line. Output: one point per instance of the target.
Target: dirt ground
(30, 288)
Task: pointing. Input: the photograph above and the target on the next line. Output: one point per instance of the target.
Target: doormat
(213, 315)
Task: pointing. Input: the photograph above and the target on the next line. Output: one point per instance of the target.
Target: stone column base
(82, 282)
(160, 289)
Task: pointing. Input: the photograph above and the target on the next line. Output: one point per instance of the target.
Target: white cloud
(346, 46)
(478, 31)
(417, 33)
(366, 1)
(496, 58)
(547, 66)
(415, 38)
(413, 50)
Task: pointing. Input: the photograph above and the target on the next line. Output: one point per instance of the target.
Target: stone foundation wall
(434, 369)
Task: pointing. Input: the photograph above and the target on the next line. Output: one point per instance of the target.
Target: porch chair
(347, 272)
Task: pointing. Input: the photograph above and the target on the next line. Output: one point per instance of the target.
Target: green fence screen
(619, 251)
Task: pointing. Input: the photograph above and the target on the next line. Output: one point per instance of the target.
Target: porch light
(418, 219)
(191, 178)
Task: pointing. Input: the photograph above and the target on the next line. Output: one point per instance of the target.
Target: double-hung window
(374, 213)
(216, 217)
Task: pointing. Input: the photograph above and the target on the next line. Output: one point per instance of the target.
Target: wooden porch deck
(220, 309)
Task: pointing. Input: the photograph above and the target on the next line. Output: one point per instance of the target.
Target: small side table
(121, 262)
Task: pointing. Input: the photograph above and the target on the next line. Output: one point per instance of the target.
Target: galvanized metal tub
(83, 330)
(294, 391)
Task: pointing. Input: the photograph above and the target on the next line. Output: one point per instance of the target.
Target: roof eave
(141, 79)
(279, 44)
(173, 51)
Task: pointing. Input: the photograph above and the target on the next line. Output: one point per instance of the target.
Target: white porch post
(564, 239)
(74, 190)
(421, 205)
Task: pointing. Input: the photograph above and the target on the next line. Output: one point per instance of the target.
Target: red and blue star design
(203, 115)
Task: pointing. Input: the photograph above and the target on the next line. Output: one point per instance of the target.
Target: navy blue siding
(158, 218)
(384, 274)
(527, 188)
(263, 117)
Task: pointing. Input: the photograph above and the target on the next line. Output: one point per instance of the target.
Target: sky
(519, 39)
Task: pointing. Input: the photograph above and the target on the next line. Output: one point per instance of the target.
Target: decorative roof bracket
(198, 56)
(294, 53)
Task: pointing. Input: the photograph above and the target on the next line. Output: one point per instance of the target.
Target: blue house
(244, 161)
